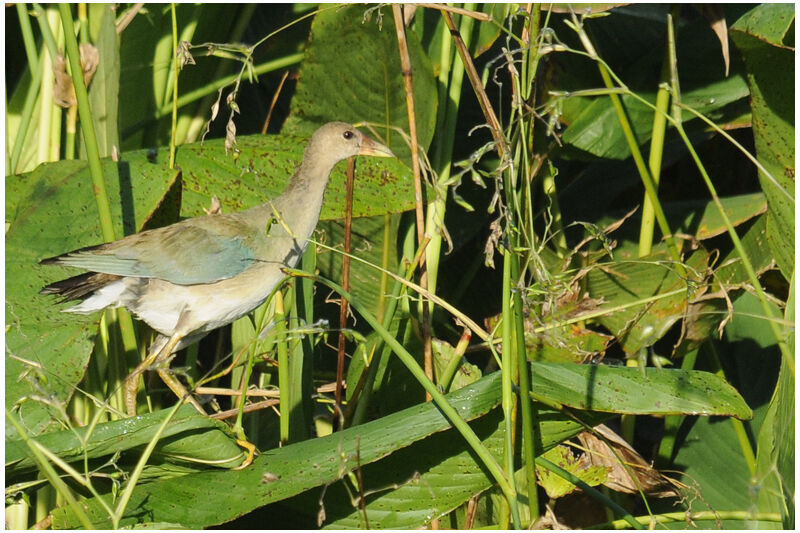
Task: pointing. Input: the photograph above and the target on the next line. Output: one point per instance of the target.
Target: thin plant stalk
(359, 413)
(47, 33)
(654, 160)
(28, 40)
(33, 58)
(46, 104)
(90, 138)
(283, 367)
(175, 70)
(687, 517)
(93, 157)
(508, 396)
(343, 307)
(405, 61)
(647, 227)
(386, 250)
(530, 425)
(748, 454)
(83, 22)
(8, 148)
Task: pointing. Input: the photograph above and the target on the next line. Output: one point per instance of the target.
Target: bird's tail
(79, 287)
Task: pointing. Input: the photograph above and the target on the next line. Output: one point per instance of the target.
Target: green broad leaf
(571, 343)
(709, 452)
(352, 72)
(759, 35)
(776, 449)
(489, 31)
(703, 220)
(775, 461)
(754, 241)
(263, 167)
(613, 389)
(555, 485)
(428, 479)
(51, 211)
(644, 296)
(284, 472)
(701, 322)
(188, 434)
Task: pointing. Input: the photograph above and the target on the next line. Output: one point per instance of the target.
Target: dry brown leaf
(716, 19)
(619, 476)
(215, 208)
(63, 90)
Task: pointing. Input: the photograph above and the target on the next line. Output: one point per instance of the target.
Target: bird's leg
(177, 387)
(132, 381)
(156, 357)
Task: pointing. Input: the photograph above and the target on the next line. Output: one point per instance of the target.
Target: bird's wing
(202, 250)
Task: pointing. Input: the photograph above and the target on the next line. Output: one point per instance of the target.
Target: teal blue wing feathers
(201, 250)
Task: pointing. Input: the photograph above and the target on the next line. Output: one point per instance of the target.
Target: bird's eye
(347, 134)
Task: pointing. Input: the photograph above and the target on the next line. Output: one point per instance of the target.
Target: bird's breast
(168, 307)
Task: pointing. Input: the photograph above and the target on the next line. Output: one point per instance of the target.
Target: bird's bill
(370, 147)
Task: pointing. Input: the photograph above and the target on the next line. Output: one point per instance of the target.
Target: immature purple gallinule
(199, 274)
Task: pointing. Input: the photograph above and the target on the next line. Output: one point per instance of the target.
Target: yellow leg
(157, 357)
(132, 382)
(178, 388)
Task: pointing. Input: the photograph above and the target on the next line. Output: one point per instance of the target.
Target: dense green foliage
(595, 266)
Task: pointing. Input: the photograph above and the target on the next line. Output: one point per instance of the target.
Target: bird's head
(341, 140)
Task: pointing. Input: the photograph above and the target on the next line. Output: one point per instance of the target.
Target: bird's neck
(300, 203)
(312, 175)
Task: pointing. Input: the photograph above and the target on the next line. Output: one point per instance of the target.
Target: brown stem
(343, 305)
(475, 80)
(405, 62)
(274, 101)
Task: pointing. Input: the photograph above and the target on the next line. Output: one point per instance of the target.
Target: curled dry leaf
(230, 135)
(496, 231)
(215, 208)
(602, 452)
(63, 90)
(184, 54)
(716, 19)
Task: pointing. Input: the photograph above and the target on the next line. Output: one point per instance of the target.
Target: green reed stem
(85, 113)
